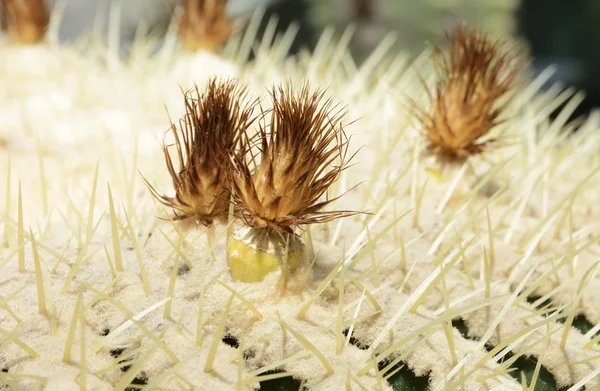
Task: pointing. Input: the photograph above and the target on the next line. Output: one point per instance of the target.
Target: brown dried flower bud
(24, 21)
(283, 172)
(206, 138)
(204, 24)
(471, 78)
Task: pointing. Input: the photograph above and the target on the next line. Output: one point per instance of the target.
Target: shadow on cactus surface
(405, 380)
(473, 270)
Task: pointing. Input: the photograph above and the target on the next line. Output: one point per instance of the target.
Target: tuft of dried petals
(284, 170)
(472, 77)
(206, 138)
(24, 21)
(204, 24)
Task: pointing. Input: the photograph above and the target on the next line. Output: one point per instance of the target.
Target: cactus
(456, 276)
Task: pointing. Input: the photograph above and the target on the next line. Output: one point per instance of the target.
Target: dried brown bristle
(205, 140)
(284, 171)
(471, 78)
(24, 21)
(204, 24)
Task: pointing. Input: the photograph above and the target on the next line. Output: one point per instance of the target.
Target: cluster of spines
(275, 177)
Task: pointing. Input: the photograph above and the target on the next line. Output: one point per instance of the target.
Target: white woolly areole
(521, 223)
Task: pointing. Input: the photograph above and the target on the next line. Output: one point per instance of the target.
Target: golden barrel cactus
(457, 281)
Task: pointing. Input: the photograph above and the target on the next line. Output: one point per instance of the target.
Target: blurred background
(559, 32)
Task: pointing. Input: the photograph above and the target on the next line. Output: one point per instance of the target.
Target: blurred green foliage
(413, 22)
